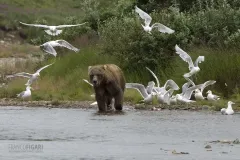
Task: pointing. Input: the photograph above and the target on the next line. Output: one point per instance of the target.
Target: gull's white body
(193, 68)
(165, 97)
(32, 77)
(173, 100)
(52, 30)
(198, 95)
(212, 97)
(147, 98)
(49, 46)
(147, 20)
(229, 110)
(25, 94)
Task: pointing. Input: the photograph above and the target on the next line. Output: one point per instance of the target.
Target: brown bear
(109, 83)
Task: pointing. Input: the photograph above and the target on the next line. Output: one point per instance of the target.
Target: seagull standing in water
(193, 68)
(52, 30)
(229, 110)
(25, 94)
(32, 77)
(147, 98)
(147, 20)
(49, 46)
(212, 97)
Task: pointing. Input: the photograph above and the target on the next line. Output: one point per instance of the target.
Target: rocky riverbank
(87, 105)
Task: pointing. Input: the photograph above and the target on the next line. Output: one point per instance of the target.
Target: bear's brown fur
(109, 83)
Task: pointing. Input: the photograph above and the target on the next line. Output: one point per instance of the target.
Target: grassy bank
(63, 80)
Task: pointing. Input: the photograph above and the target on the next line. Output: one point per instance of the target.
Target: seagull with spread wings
(187, 91)
(49, 46)
(199, 92)
(52, 30)
(31, 77)
(193, 68)
(147, 20)
(147, 98)
(169, 83)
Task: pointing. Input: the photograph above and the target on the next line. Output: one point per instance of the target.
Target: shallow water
(141, 135)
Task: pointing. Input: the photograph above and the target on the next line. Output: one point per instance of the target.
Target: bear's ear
(105, 67)
(89, 68)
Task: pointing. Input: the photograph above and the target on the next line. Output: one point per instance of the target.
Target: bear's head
(97, 74)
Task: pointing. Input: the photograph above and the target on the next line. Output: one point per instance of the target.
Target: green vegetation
(114, 35)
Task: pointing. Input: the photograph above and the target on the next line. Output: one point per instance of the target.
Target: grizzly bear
(109, 83)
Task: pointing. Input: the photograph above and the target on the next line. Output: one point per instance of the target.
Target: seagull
(165, 97)
(52, 30)
(25, 94)
(32, 77)
(229, 110)
(49, 46)
(147, 98)
(150, 87)
(169, 83)
(185, 96)
(212, 97)
(198, 92)
(147, 18)
(193, 68)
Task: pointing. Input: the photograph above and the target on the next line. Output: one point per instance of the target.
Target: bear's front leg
(118, 101)
(101, 100)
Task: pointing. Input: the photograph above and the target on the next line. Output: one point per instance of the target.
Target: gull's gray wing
(189, 80)
(23, 74)
(73, 25)
(67, 45)
(21, 94)
(167, 96)
(147, 18)
(187, 94)
(184, 56)
(49, 49)
(170, 83)
(150, 87)
(154, 75)
(199, 60)
(207, 83)
(162, 28)
(139, 87)
(39, 70)
(35, 25)
(185, 86)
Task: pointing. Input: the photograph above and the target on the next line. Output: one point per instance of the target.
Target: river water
(81, 134)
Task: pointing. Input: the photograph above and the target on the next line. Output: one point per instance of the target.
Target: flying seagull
(193, 68)
(229, 110)
(49, 46)
(32, 77)
(147, 20)
(25, 94)
(52, 30)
